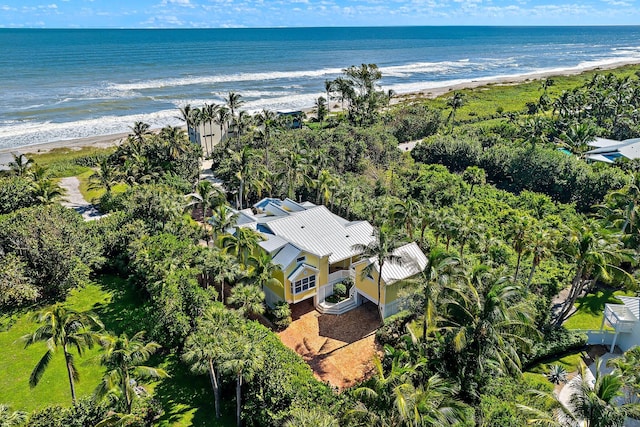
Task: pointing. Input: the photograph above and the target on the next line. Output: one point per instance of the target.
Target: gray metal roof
(633, 304)
(316, 230)
(286, 256)
(272, 243)
(414, 261)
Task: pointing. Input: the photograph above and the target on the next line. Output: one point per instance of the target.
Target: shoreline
(105, 141)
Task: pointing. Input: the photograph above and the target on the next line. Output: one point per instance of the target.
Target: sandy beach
(103, 141)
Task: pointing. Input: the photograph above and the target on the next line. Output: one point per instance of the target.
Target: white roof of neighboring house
(414, 261)
(602, 142)
(633, 304)
(608, 150)
(318, 231)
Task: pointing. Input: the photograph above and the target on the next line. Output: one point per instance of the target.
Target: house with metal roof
(314, 249)
(608, 150)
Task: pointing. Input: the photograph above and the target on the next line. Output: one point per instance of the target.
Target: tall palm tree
(221, 267)
(262, 270)
(124, 359)
(329, 87)
(267, 119)
(541, 246)
(10, 418)
(325, 184)
(243, 162)
(294, 167)
(222, 219)
(211, 112)
(205, 347)
(187, 115)
(233, 101)
(20, 164)
(454, 102)
(518, 231)
(243, 360)
(320, 110)
(407, 213)
(62, 329)
(380, 251)
(175, 141)
(627, 202)
(596, 252)
(222, 118)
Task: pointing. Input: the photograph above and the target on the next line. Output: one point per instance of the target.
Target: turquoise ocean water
(64, 84)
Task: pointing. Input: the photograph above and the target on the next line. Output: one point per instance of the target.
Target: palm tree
(488, 326)
(474, 175)
(242, 243)
(557, 374)
(329, 87)
(223, 218)
(205, 347)
(267, 120)
(64, 329)
(124, 358)
(294, 166)
(627, 201)
(220, 267)
(47, 191)
(325, 184)
(20, 164)
(595, 402)
(140, 130)
(234, 102)
(206, 196)
(542, 243)
(518, 232)
(222, 117)
(106, 176)
(407, 213)
(454, 102)
(11, 419)
(175, 141)
(596, 253)
(263, 270)
(211, 112)
(187, 115)
(243, 164)
(249, 299)
(243, 360)
(320, 110)
(381, 251)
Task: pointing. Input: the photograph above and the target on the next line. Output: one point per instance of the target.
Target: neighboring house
(314, 250)
(207, 135)
(608, 150)
(625, 320)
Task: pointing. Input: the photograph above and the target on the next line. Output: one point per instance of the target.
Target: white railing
(341, 307)
(595, 337)
(338, 276)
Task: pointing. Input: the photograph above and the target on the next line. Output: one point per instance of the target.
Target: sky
(311, 13)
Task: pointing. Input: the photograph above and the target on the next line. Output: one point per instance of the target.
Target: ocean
(66, 84)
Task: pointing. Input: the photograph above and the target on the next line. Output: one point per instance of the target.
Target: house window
(301, 259)
(303, 284)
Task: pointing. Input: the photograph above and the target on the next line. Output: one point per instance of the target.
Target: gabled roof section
(316, 230)
(414, 261)
(286, 255)
(608, 150)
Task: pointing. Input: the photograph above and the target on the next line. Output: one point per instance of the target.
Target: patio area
(339, 348)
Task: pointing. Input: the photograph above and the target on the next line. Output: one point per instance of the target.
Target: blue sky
(313, 13)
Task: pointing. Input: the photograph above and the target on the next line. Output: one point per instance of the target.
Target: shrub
(281, 314)
(340, 289)
(555, 342)
(394, 328)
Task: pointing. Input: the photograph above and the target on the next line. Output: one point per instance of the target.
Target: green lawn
(591, 309)
(187, 399)
(91, 195)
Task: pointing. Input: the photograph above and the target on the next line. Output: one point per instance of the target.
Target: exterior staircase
(341, 307)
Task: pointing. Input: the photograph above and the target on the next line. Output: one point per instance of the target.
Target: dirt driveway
(339, 349)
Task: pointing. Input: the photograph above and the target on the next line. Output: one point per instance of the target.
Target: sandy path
(73, 199)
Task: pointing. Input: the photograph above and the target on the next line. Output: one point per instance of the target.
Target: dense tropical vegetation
(515, 231)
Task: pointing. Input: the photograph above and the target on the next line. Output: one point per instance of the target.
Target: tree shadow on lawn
(125, 312)
(593, 303)
(184, 392)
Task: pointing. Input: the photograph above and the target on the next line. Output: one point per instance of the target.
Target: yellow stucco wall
(370, 286)
(322, 264)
